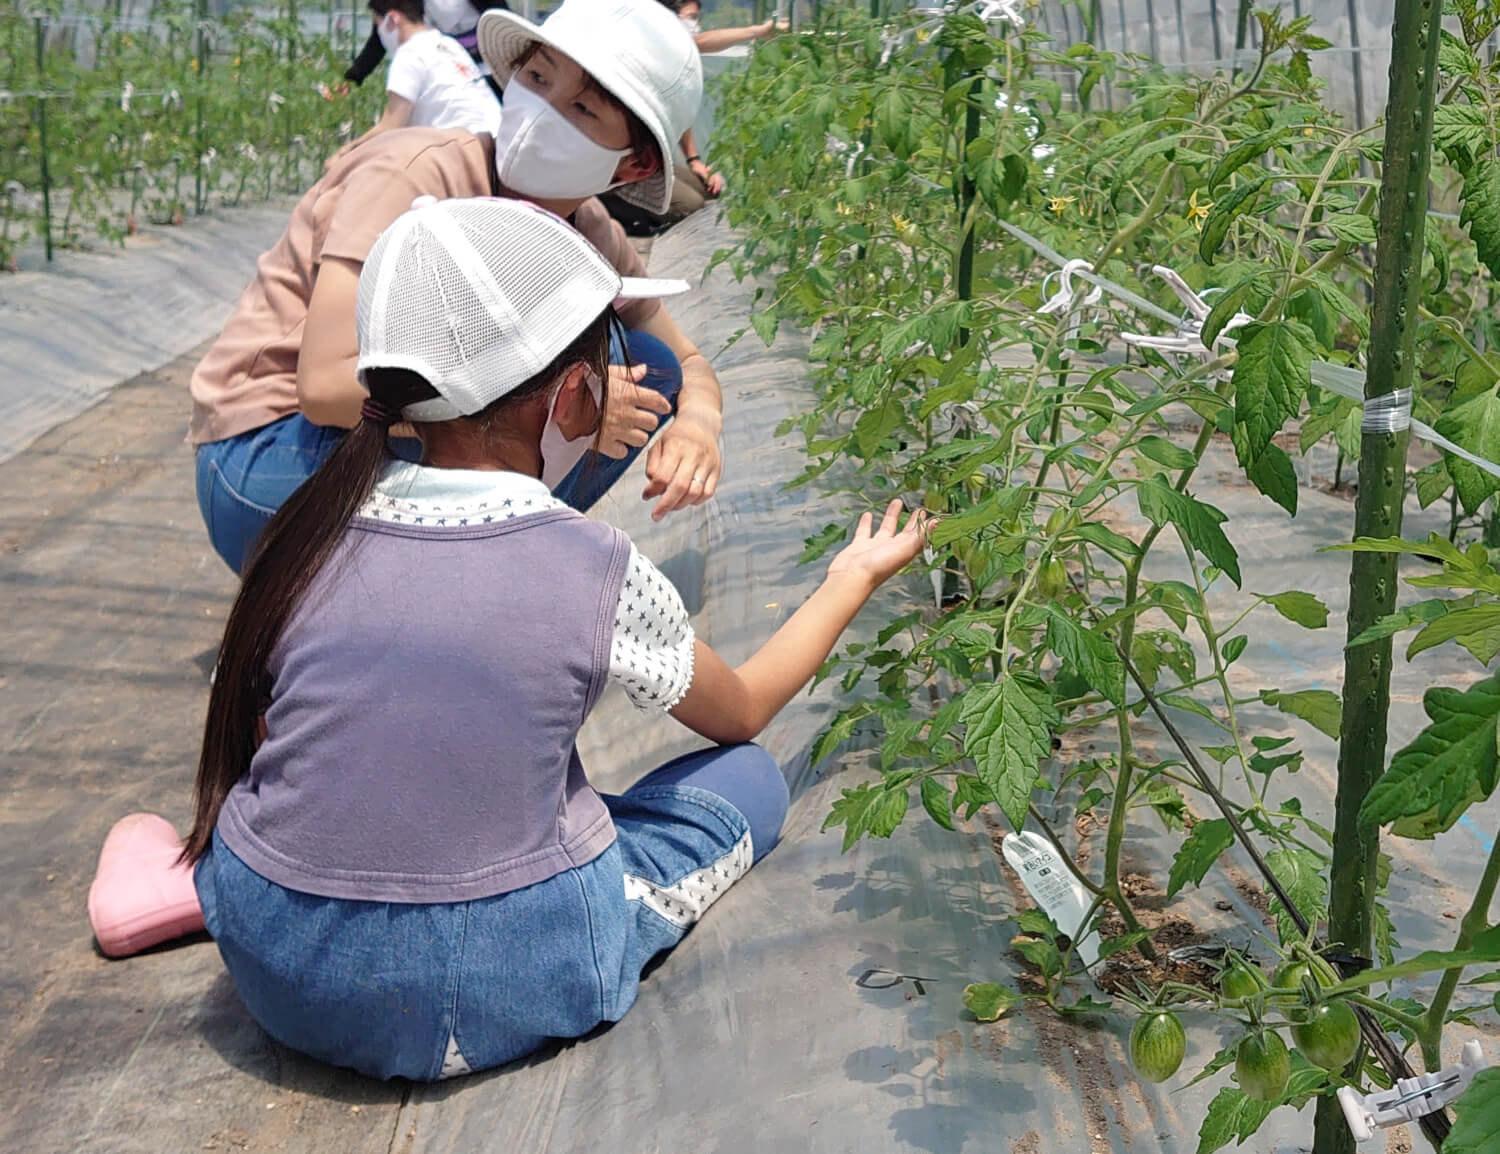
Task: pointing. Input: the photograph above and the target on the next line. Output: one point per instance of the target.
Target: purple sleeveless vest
(426, 697)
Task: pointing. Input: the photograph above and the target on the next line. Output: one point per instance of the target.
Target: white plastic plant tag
(1053, 887)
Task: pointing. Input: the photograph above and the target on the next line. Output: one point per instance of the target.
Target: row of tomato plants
(162, 117)
(875, 165)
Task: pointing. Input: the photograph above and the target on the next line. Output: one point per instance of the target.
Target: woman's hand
(713, 183)
(879, 555)
(683, 467)
(631, 413)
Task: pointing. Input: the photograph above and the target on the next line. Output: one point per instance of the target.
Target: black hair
(411, 9)
(298, 542)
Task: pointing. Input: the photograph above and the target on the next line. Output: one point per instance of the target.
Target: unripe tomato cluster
(1327, 1033)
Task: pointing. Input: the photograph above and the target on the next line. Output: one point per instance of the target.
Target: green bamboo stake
(41, 123)
(1415, 33)
(199, 199)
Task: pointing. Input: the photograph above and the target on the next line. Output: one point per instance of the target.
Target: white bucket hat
(637, 51)
(478, 296)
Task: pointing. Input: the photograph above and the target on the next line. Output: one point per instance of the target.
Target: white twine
(1390, 413)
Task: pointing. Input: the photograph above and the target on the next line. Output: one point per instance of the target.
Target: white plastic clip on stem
(992, 11)
(1410, 1098)
(1064, 302)
(1188, 339)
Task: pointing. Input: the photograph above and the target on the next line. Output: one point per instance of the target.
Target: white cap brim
(637, 288)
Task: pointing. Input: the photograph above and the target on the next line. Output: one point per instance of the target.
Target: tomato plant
(154, 120)
(902, 188)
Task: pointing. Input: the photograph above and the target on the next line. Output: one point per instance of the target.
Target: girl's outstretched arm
(733, 705)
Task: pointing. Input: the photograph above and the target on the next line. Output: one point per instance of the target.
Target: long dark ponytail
(295, 546)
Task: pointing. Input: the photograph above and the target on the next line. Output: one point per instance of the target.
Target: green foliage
(1477, 1116)
(987, 1001)
(1450, 765)
(870, 163)
(165, 122)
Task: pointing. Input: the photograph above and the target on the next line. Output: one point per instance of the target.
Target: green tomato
(1328, 1035)
(1263, 1066)
(1237, 981)
(1289, 976)
(1052, 579)
(1157, 1045)
(1061, 519)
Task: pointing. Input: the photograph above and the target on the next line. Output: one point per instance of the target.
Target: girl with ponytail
(395, 845)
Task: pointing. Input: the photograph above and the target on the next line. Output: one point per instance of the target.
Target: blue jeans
(426, 991)
(243, 480)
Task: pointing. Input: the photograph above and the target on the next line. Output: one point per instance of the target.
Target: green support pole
(965, 191)
(1241, 31)
(1415, 34)
(199, 195)
(41, 123)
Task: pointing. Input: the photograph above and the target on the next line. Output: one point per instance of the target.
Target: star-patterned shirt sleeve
(651, 655)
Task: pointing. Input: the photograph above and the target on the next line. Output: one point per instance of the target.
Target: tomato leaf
(1300, 873)
(1198, 852)
(1483, 950)
(936, 802)
(1164, 452)
(1320, 708)
(1232, 1117)
(1230, 205)
(1475, 426)
(1196, 522)
(1090, 653)
(988, 1000)
(1271, 472)
(1476, 628)
(1478, 1116)
(1481, 214)
(1009, 731)
(1302, 608)
(1450, 765)
(1270, 379)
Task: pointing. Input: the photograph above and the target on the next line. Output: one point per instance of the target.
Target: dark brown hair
(295, 546)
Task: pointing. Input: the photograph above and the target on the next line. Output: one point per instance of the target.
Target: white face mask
(538, 153)
(691, 24)
(559, 454)
(450, 17)
(390, 38)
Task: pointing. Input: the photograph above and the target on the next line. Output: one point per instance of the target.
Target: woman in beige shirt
(594, 98)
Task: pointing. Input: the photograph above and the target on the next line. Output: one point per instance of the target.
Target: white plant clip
(993, 11)
(1410, 1098)
(1064, 302)
(1188, 339)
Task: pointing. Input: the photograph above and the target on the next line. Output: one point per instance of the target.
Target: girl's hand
(880, 555)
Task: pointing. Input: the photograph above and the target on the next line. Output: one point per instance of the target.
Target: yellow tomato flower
(1198, 213)
(843, 209)
(903, 227)
(1057, 205)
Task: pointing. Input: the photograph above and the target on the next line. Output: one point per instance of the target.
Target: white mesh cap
(478, 296)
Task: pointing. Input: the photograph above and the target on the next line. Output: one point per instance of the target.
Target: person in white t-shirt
(432, 83)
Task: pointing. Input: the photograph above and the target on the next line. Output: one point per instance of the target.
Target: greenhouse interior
(1043, 456)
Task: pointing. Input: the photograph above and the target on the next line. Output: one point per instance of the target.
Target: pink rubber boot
(142, 896)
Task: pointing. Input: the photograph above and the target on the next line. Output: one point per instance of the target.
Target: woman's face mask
(390, 38)
(691, 24)
(559, 454)
(538, 153)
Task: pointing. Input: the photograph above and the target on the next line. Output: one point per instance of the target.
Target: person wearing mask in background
(695, 182)
(398, 851)
(458, 19)
(594, 98)
(432, 83)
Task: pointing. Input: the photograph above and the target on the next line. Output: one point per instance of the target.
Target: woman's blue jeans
(243, 480)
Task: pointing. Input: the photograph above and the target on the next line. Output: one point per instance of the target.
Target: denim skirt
(427, 991)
